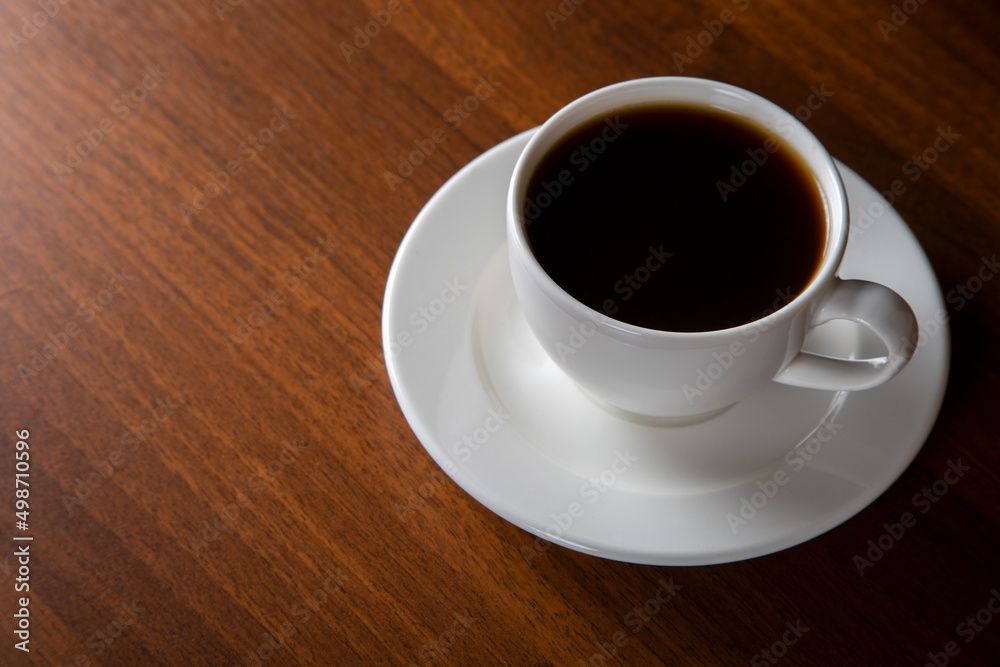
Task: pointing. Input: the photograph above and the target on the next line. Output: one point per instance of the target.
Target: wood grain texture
(216, 451)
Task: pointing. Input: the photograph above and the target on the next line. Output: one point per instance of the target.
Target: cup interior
(714, 97)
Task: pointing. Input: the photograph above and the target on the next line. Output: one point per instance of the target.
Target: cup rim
(690, 91)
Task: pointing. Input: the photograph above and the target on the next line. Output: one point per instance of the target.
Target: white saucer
(498, 416)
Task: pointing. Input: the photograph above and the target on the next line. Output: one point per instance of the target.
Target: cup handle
(874, 306)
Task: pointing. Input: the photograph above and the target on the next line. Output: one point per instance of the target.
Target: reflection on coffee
(675, 218)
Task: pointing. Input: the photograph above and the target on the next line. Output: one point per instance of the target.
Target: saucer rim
(504, 509)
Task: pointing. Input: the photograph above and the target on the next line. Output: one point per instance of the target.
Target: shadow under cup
(637, 306)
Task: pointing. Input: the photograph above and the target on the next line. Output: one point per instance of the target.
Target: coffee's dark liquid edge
(676, 218)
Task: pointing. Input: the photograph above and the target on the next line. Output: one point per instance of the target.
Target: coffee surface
(676, 218)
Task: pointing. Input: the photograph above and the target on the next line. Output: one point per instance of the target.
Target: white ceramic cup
(663, 374)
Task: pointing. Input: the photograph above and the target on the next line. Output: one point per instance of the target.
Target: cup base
(652, 420)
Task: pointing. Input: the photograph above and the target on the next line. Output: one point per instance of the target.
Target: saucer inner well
(556, 418)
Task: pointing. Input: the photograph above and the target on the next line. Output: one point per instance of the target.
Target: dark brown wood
(216, 452)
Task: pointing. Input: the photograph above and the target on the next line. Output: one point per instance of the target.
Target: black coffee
(676, 218)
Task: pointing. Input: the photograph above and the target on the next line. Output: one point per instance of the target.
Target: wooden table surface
(199, 205)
